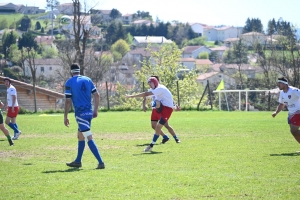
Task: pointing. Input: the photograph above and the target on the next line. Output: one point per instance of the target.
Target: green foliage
(8, 39)
(129, 38)
(27, 40)
(203, 55)
(197, 41)
(37, 25)
(3, 24)
(25, 23)
(49, 52)
(42, 30)
(119, 102)
(253, 25)
(121, 47)
(164, 63)
(8, 72)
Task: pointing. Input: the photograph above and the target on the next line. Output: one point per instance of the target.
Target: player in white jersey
(155, 116)
(164, 106)
(12, 108)
(290, 97)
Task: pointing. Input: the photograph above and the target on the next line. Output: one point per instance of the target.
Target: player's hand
(177, 108)
(95, 114)
(66, 121)
(144, 108)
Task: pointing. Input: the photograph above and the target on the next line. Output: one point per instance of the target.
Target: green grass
(223, 155)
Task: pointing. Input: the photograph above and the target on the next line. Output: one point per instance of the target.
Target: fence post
(178, 99)
(107, 98)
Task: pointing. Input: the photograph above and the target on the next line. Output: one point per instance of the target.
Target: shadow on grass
(287, 154)
(67, 170)
(147, 153)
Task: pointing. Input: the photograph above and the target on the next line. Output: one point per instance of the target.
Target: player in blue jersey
(79, 91)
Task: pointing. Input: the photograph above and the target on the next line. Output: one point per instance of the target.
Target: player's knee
(87, 135)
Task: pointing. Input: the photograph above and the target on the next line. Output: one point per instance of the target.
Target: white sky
(211, 12)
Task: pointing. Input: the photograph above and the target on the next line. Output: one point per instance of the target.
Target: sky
(210, 12)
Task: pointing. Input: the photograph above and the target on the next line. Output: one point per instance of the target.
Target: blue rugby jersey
(80, 89)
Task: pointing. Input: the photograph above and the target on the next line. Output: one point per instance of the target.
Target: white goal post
(239, 91)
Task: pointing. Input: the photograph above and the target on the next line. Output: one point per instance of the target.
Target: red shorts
(155, 116)
(295, 120)
(12, 114)
(165, 114)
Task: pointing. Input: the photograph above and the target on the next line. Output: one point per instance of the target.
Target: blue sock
(165, 137)
(16, 127)
(155, 137)
(175, 136)
(95, 150)
(12, 126)
(81, 145)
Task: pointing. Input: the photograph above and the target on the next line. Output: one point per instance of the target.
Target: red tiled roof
(190, 49)
(203, 62)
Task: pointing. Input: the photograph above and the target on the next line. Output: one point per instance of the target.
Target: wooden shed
(45, 99)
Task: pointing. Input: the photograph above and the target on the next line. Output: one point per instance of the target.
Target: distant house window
(42, 69)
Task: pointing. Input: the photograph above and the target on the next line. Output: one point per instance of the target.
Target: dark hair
(75, 68)
(155, 76)
(283, 79)
(7, 79)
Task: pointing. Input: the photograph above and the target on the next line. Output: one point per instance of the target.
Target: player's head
(155, 76)
(282, 83)
(75, 68)
(7, 81)
(154, 81)
(283, 80)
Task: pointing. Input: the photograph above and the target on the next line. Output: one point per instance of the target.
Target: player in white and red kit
(290, 97)
(164, 106)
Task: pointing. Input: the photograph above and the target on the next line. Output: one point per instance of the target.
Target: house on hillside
(127, 18)
(45, 99)
(85, 21)
(221, 33)
(198, 28)
(44, 40)
(44, 67)
(137, 56)
(214, 78)
(252, 38)
(189, 63)
(203, 65)
(6, 8)
(219, 52)
(105, 14)
(144, 41)
(66, 8)
(194, 51)
(140, 22)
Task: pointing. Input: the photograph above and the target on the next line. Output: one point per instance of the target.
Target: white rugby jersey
(291, 99)
(11, 91)
(163, 95)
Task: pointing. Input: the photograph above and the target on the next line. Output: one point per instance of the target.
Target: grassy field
(223, 155)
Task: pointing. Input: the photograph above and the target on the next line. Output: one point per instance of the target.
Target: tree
(203, 55)
(49, 52)
(114, 14)
(30, 57)
(80, 33)
(237, 55)
(120, 46)
(37, 25)
(51, 4)
(164, 63)
(8, 39)
(253, 25)
(27, 40)
(25, 23)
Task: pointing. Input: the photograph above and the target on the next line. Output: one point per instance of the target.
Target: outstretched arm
(279, 108)
(143, 94)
